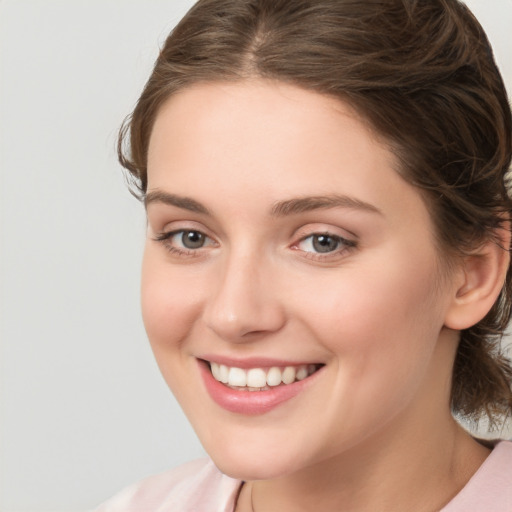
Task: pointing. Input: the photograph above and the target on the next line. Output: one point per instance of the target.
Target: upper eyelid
(175, 226)
(299, 234)
(169, 233)
(329, 234)
(322, 229)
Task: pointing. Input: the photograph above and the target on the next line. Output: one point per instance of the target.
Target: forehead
(221, 142)
(259, 121)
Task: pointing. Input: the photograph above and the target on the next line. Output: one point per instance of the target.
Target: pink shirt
(200, 487)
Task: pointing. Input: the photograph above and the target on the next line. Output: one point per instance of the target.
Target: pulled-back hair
(421, 73)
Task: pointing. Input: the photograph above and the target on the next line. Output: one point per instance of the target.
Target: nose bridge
(244, 300)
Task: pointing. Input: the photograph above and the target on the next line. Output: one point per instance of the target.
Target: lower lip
(251, 402)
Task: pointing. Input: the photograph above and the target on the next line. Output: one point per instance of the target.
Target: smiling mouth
(261, 379)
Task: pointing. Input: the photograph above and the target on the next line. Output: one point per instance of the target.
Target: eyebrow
(306, 204)
(186, 203)
(280, 209)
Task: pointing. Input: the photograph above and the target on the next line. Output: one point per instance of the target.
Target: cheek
(373, 300)
(381, 329)
(169, 304)
(380, 321)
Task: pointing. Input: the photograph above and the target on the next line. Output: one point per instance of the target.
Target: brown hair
(422, 73)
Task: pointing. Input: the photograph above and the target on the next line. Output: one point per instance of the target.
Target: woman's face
(283, 247)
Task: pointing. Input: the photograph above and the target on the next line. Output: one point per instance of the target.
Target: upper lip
(253, 362)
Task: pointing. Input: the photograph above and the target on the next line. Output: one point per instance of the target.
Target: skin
(374, 431)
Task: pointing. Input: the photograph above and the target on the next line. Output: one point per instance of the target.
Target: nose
(245, 303)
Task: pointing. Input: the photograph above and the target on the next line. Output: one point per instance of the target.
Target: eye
(184, 241)
(324, 243)
(190, 239)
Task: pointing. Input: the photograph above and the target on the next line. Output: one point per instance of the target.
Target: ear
(481, 278)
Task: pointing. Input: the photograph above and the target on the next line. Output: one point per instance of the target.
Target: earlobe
(482, 277)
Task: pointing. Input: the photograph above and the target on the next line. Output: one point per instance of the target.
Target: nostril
(243, 326)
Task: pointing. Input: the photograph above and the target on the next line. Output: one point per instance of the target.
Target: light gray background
(83, 410)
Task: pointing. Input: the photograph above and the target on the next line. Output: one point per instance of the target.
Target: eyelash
(165, 238)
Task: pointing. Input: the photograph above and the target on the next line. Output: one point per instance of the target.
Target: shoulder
(197, 485)
(490, 488)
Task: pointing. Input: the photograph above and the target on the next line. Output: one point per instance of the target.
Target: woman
(326, 273)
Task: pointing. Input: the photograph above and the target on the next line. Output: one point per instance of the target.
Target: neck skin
(416, 463)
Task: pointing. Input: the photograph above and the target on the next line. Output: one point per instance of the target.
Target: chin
(252, 461)
(250, 470)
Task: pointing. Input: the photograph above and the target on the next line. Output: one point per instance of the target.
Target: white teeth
(274, 377)
(215, 371)
(237, 377)
(223, 374)
(288, 375)
(258, 379)
(302, 373)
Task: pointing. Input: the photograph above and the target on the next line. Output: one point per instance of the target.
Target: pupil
(192, 239)
(325, 243)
